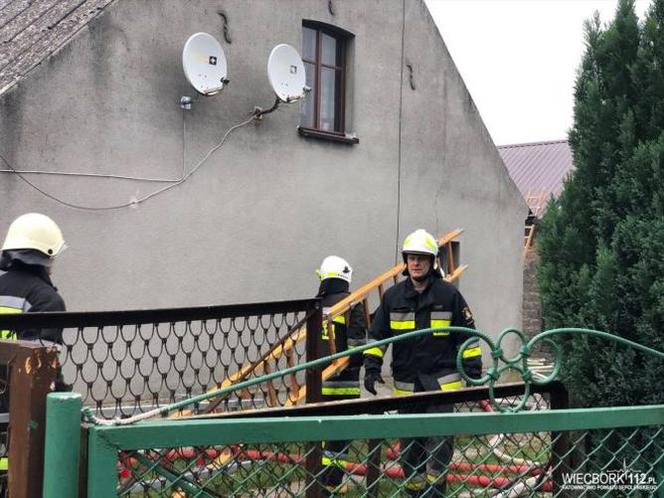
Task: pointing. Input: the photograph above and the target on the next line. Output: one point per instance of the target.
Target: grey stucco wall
(257, 218)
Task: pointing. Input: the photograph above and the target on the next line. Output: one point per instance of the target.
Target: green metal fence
(593, 452)
(520, 448)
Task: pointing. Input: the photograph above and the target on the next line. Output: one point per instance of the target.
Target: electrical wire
(399, 161)
(93, 175)
(133, 202)
(109, 175)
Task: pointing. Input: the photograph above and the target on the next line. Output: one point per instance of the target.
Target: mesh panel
(517, 464)
(123, 370)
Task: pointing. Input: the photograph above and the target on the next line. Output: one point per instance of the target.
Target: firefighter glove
(370, 379)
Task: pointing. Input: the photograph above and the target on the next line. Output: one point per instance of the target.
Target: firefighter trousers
(425, 460)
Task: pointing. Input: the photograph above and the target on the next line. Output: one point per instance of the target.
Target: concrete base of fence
(62, 451)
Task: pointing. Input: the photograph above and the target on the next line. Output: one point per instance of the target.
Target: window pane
(308, 44)
(307, 105)
(328, 50)
(338, 102)
(328, 98)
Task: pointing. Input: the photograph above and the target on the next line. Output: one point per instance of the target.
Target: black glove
(370, 379)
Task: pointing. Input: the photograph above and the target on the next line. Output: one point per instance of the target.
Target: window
(324, 54)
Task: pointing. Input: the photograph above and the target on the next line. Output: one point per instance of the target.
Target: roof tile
(31, 31)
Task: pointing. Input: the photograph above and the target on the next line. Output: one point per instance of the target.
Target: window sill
(326, 135)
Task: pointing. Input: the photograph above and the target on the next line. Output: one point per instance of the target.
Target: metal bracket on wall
(411, 78)
(226, 21)
(330, 7)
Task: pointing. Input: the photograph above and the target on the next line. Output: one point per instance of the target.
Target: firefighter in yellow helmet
(32, 243)
(427, 363)
(348, 331)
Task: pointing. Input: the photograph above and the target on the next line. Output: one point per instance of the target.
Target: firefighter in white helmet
(32, 243)
(348, 331)
(427, 363)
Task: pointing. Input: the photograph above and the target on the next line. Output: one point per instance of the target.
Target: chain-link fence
(608, 452)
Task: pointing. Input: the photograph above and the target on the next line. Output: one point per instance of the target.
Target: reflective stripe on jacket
(29, 290)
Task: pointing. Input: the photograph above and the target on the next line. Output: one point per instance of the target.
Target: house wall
(255, 219)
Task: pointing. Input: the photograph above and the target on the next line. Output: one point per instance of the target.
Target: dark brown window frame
(342, 38)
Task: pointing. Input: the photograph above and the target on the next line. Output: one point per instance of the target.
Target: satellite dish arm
(259, 113)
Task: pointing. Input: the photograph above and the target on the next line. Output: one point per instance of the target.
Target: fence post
(314, 395)
(32, 372)
(63, 435)
(561, 457)
(314, 375)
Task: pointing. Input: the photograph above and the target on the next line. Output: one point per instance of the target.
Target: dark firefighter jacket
(27, 288)
(349, 332)
(427, 362)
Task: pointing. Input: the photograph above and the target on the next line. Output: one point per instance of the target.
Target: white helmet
(420, 242)
(335, 267)
(34, 231)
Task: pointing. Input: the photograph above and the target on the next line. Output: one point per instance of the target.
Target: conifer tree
(602, 242)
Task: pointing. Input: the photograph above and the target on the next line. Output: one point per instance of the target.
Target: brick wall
(531, 307)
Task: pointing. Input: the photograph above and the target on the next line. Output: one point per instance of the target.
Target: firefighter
(32, 243)
(427, 363)
(335, 276)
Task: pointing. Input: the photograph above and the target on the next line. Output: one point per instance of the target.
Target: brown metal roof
(538, 169)
(32, 30)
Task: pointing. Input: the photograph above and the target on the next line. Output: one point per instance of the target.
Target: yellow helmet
(34, 231)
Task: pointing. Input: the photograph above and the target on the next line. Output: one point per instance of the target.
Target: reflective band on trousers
(4, 463)
(341, 388)
(336, 462)
(472, 352)
(450, 382)
(436, 479)
(416, 482)
(404, 386)
(452, 386)
(340, 391)
(374, 352)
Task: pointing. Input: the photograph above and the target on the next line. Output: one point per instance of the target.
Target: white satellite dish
(285, 70)
(204, 64)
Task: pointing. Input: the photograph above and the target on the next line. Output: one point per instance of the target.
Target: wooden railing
(362, 294)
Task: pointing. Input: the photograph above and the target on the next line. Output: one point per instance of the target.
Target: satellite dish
(204, 64)
(285, 70)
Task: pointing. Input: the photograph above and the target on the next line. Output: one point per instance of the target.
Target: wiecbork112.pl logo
(624, 479)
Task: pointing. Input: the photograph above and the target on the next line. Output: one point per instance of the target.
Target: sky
(519, 59)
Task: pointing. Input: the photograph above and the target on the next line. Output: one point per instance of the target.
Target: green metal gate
(518, 449)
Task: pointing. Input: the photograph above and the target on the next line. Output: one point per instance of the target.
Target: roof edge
(532, 144)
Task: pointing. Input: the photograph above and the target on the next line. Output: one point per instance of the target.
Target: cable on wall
(398, 223)
(133, 202)
(110, 175)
